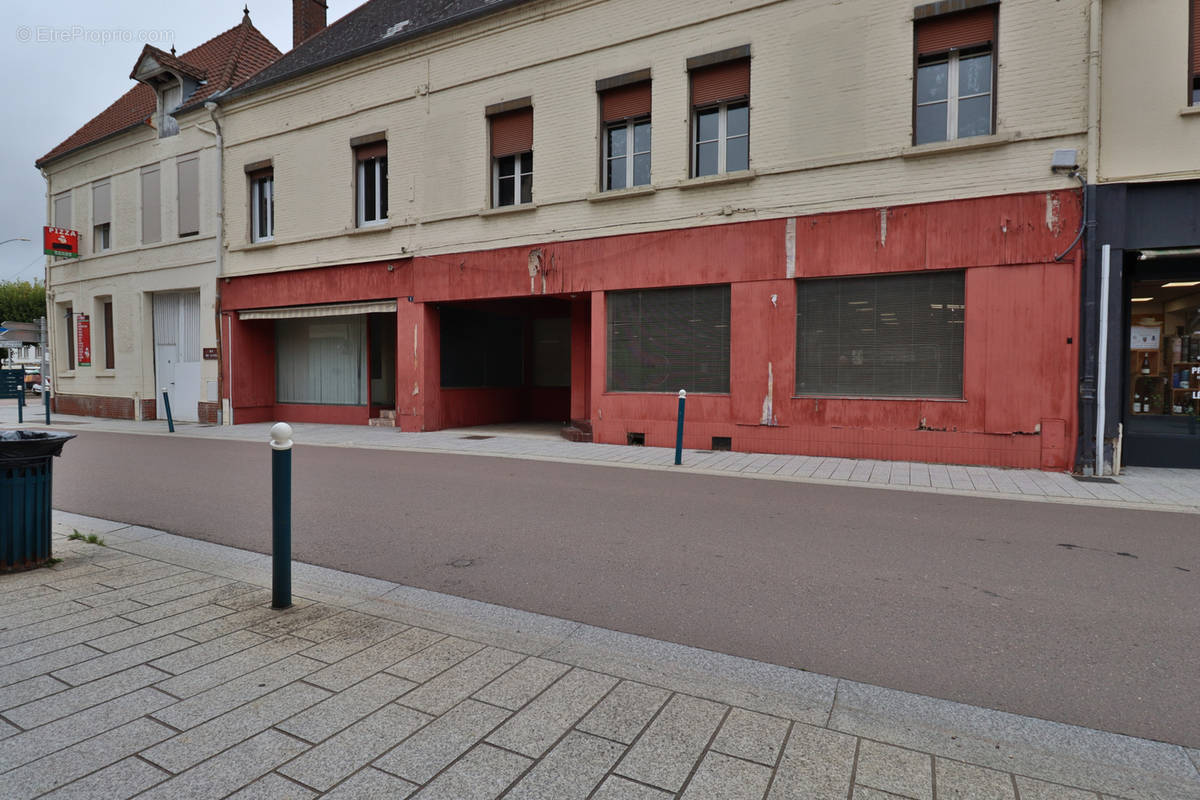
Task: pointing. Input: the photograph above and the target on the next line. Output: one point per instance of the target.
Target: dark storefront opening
(337, 360)
(506, 361)
(1162, 362)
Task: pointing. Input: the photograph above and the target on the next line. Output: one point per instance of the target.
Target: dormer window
(173, 81)
(169, 99)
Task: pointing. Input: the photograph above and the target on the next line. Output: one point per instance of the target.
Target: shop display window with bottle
(1164, 345)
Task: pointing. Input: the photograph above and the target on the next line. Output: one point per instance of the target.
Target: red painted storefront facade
(1020, 358)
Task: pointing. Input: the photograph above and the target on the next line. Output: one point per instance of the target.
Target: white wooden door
(177, 352)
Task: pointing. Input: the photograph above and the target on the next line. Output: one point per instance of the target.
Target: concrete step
(573, 434)
(382, 422)
(584, 425)
(387, 413)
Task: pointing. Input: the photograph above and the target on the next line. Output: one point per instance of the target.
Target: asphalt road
(1081, 615)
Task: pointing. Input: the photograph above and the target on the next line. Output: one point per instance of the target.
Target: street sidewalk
(153, 666)
(1137, 488)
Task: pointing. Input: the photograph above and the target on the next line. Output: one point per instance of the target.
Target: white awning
(332, 310)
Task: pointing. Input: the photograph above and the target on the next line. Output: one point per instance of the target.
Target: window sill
(262, 244)
(369, 227)
(617, 194)
(957, 145)
(1190, 111)
(741, 176)
(673, 394)
(105, 373)
(68, 374)
(883, 398)
(502, 210)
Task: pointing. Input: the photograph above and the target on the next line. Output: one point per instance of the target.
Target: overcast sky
(57, 71)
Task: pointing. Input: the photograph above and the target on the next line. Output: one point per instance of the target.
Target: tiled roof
(372, 26)
(226, 60)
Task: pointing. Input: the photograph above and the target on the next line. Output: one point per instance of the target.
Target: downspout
(49, 297)
(225, 414)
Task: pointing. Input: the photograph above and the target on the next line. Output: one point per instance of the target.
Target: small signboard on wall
(1144, 337)
(211, 354)
(60, 242)
(83, 340)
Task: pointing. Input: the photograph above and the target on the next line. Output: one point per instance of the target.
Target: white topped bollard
(679, 429)
(281, 515)
(281, 436)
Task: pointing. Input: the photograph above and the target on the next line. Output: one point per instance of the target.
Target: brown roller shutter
(512, 132)
(1195, 38)
(721, 83)
(372, 150)
(626, 101)
(956, 31)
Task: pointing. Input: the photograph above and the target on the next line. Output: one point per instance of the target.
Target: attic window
(169, 98)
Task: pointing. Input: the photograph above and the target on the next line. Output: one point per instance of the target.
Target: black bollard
(281, 515)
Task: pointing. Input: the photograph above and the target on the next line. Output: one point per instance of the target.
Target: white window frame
(102, 237)
(722, 139)
(518, 171)
(260, 232)
(380, 191)
(630, 152)
(951, 60)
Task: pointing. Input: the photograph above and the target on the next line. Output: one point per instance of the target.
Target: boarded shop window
(664, 340)
(885, 336)
(481, 349)
(321, 361)
(954, 96)
(189, 195)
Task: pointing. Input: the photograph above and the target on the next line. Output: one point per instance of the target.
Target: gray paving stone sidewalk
(153, 667)
(1138, 487)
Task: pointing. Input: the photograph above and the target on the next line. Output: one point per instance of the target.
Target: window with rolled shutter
(954, 93)
(625, 111)
(1195, 53)
(664, 340)
(881, 336)
(511, 134)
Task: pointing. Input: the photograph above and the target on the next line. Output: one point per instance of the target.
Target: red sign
(60, 242)
(83, 340)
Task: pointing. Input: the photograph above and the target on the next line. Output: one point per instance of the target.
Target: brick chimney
(308, 18)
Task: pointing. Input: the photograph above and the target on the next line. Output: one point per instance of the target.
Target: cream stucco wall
(831, 100)
(1148, 132)
(131, 272)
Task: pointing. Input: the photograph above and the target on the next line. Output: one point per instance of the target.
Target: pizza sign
(60, 242)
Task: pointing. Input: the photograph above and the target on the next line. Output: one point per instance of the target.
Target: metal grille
(886, 336)
(664, 340)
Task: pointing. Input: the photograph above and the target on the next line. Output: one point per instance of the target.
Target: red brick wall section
(208, 413)
(149, 409)
(93, 406)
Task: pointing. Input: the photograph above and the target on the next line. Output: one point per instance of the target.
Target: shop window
(321, 361)
(1164, 355)
(511, 133)
(720, 112)
(372, 183)
(953, 94)
(881, 336)
(664, 340)
(625, 111)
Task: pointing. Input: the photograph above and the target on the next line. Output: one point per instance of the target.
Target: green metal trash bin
(25, 494)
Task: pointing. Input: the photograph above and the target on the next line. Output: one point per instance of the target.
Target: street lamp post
(16, 239)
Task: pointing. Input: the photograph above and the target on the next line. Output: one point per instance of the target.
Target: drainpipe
(1102, 366)
(49, 297)
(226, 413)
